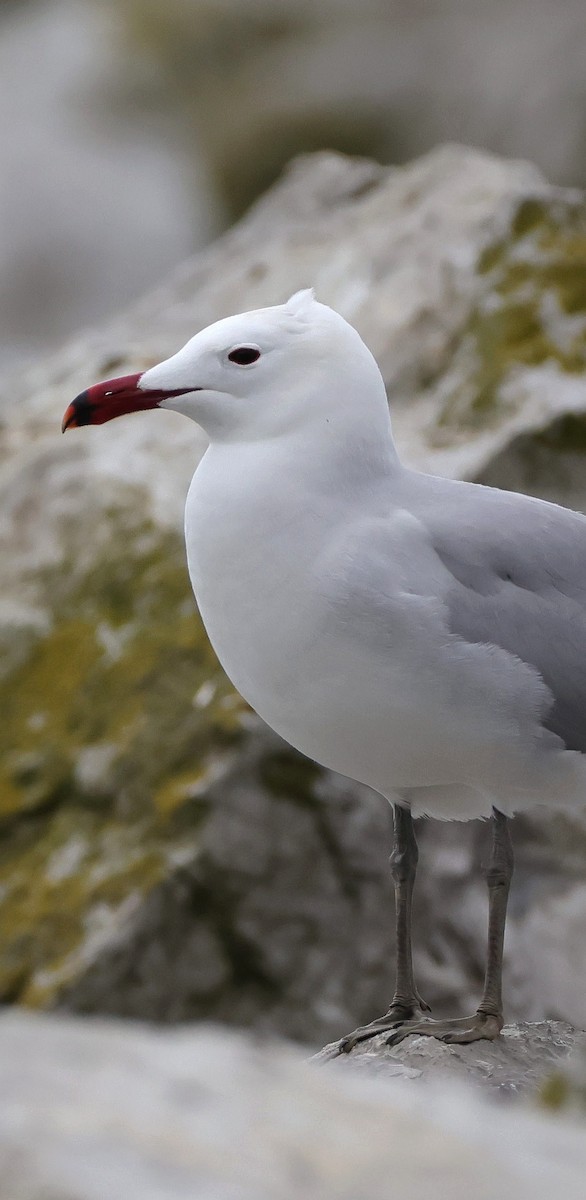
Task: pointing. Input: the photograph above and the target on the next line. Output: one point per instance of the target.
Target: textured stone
(517, 1063)
(162, 854)
(386, 79)
(89, 1110)
(94, 202)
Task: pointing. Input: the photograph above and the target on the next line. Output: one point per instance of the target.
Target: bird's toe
(479, 1027)
(392, 1020)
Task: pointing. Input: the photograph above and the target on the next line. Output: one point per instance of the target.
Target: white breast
(378, 704)
(252, 557)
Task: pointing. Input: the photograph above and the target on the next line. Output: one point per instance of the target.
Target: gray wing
(519, 582)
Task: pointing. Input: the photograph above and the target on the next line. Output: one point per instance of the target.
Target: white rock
(93, 1110)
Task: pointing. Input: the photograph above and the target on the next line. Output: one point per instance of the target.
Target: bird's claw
(400, 1024)
(397, 1015)
(480, 1026)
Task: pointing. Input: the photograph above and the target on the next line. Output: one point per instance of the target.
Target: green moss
(565, 1091)
(529, 215)
(555, 1091)
(55, 874)
(174, 792)
(531, 310)
(107, 737)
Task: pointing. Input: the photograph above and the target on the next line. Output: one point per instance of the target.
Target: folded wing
(518, 581)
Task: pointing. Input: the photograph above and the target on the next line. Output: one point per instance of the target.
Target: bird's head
(248, 377)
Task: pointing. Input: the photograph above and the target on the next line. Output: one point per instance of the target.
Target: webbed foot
(396, 1016)
(480, 1026)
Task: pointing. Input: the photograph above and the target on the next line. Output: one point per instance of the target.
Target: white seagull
(424, 636)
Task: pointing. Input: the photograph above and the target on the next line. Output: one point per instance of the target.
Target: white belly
(401, 719)
(285, 648)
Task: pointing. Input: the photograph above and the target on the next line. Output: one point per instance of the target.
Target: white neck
(260, 516)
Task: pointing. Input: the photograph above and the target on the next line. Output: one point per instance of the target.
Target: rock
(389, 80)
(524, 1057)
(94, 200)
(163, 855)
(95, 1108)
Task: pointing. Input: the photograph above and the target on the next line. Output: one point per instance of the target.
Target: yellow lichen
(174, 792)
(101, 751)
(531, 310)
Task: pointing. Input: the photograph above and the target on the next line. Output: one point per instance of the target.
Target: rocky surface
(387, 79)
(519, 1062)
(162, 855)
(94, 197)
(92, 1109)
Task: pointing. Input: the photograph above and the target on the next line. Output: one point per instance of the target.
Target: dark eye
(244, 355)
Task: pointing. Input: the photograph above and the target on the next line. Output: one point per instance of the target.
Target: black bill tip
(78, 413)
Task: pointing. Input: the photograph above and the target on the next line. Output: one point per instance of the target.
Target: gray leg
(487, 1021)
(404, 1017)
(498, 874)
(406, 1003)
(404, 859)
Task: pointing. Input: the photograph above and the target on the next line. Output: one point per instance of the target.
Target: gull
(424, 636)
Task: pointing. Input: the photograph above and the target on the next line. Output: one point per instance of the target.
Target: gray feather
(518, 568)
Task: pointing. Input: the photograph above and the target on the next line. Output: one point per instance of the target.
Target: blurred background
(133, 131)
(162, 854)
